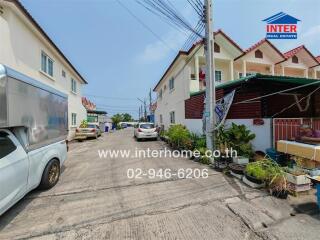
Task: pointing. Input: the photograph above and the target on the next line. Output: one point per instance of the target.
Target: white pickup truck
(21, 171)
(33, 131)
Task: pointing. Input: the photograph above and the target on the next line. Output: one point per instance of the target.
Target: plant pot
(297, 179)
(252, 184)
(220, 166)
(237, 168)
(196, 159)
(283, 194)
(253, 179)
(240, 160)
(224, 159)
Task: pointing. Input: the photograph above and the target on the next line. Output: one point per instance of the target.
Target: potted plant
(278, 186)
(256, 172)
(237, 168)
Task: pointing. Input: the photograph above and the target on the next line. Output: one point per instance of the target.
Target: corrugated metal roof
(261, 77)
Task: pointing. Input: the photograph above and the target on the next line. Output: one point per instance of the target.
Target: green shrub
(237, 137)
(197, 141)
(179, 136)
(205, 160)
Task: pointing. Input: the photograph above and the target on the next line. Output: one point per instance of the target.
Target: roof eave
(38, 27)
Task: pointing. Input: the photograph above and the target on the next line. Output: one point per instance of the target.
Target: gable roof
(318, 58)
(186, 53)
(229, 39)
(180, 53)
(258, 44)
(281, 18)
(294, 51)
(43, 33)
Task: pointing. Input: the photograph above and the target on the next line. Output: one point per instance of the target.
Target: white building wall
(20, 49)
(195, 126)
(263, 133)
(173, 100)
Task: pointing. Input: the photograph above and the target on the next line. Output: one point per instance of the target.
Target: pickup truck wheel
(50, 175)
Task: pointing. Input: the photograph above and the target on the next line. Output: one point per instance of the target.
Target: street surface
(95, 199)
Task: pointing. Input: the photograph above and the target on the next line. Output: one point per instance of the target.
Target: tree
(116, 118)
(126, 117)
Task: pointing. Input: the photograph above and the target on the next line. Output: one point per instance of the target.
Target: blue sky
(122, 60)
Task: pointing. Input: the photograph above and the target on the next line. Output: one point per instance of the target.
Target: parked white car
(145, 131)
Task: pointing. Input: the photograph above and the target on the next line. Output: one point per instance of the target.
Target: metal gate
(288, 128)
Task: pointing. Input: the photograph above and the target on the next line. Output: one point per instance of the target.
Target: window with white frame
(73, 119)
(73, 85)
(218, 76)
(171, 84)
(63, 73)
(46, 64)
(172, 117)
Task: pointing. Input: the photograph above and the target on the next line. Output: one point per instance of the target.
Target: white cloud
(309, 38)
(157, 51)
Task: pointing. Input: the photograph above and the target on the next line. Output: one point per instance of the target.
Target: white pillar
(306, 73)
(244, 68)
(231, 70)
(272, 69)
(314, 73)
(195, 83)
(196, 66)
(282, 70)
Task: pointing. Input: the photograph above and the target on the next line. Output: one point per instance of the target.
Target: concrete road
(95, 199)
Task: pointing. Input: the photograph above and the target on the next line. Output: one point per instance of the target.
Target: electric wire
(144, 25)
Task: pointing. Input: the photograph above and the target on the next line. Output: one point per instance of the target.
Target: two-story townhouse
(317, 68)
(259, 58)
(299, 62)
(184, 105)
(185, 75)
(26, 48)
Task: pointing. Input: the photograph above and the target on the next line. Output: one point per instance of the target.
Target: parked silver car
(145, 131)
(91, 131)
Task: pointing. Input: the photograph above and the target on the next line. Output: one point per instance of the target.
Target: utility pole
(210, 103)
(139, 115)
(145, 110)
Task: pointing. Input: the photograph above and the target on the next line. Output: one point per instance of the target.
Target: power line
(170, 13)
(196, 8)
(147, 27)
(111, 98)
(162, 18)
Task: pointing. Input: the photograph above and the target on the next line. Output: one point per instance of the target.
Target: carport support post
(210, 82)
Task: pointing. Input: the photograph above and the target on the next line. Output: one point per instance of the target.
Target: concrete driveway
(95, 199)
